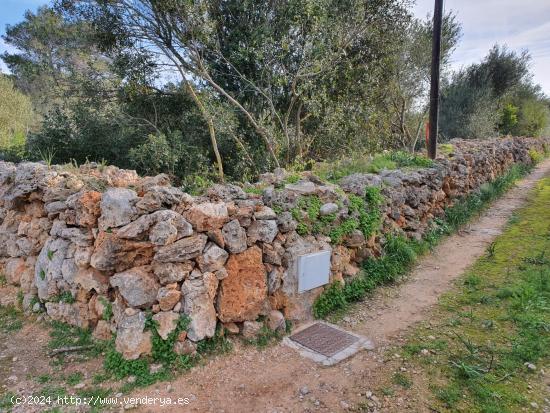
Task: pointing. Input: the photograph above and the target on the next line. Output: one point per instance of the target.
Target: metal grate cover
(324, 339)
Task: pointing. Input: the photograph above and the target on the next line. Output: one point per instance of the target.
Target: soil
(277, 379)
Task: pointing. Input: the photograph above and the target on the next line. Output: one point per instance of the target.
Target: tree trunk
(211, 129)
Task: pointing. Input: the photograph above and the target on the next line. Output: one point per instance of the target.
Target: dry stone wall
(98, 246)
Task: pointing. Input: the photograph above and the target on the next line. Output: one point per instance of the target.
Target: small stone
(231, 328)
(328, 209)
(155, 368)
(425, 352)
(213, 258)
(79, 386)
(251, 329)
(534, 405)
(304, 390)
(185, 347)
(276, 321)
(344, 405)
(168, 298)
(167, 322)
(530, 366)
(265, 213)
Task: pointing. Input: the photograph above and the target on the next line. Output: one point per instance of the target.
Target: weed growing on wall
(364, 214)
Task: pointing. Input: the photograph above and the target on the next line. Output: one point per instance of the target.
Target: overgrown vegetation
(334, 170)
(365, 215)
(245, 87)
(400, 253)
(493, 336)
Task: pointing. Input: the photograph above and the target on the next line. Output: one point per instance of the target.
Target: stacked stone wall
(99, 247)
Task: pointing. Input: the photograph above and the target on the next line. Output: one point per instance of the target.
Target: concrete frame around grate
(359, 344)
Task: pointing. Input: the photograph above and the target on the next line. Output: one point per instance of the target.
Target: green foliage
(42, 274)
(509, 118)
(74, 378)
(16, 118)
(163, 350)
(107, 309)
(505, 319)
(10, 319)
(63, 297)
(333, 171)
(494, 96)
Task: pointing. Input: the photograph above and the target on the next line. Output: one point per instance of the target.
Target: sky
(519, 24)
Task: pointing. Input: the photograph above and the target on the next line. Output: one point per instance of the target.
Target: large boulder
(213, 258)
(117, 208)
(198, 305)
(112, 253)
(262, 230)
(207, 216)
(182, 250)
(137, 285)
(131, 339)
(243, 292)
(234, 236)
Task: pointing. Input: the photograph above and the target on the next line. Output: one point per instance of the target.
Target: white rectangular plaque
(313, 270)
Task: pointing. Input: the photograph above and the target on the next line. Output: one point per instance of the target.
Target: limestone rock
(211, 283)
(102, 330)
(227, 192)
(169, 272)
(265, 231)
(213, 258)
(207, 216)
(75, 314)
(234, 236)
(117, 208)
(264, 212)
(48, 268)
(167, 322)
(131, 340)
(168, 298)
(162, 227)
(328, 209)
(114, 254)
(91, 279)
(198, 305)
(286, 222)
(182, 250)
(137, 285)
(302, 187)
(276, 321)
(251, 329)
(13, 269)
(236, 303)
(86, 205)
(158, 197)
(186, 347)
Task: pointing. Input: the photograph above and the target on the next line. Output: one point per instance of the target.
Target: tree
(494, 96)
(284, 67)
(16, 119)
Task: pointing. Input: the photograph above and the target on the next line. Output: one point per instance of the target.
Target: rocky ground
(277, 379)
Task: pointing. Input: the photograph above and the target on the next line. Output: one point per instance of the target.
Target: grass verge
(488, 343)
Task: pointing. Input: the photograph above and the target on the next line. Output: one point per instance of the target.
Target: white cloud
(519, 24)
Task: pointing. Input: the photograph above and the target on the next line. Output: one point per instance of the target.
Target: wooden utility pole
(434, 85)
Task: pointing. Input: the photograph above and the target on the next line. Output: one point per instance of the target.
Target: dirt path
(278, 380)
